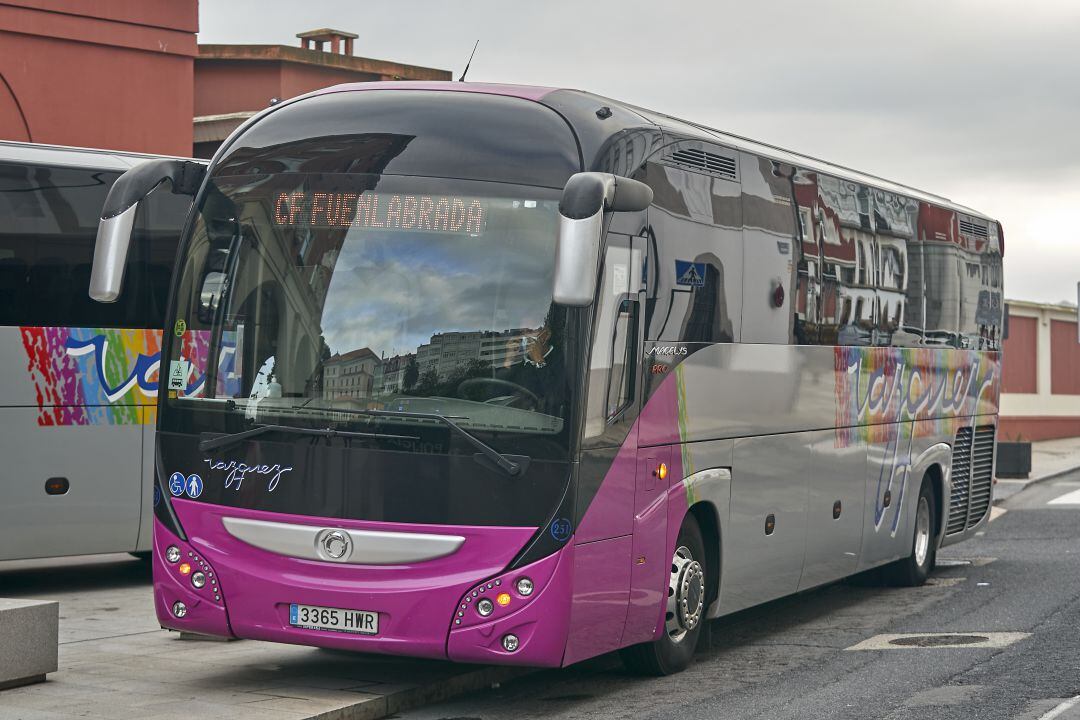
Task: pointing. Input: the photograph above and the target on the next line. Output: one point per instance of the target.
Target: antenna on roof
(466, 70)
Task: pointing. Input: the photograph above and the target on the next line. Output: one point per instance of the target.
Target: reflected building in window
(351, 376)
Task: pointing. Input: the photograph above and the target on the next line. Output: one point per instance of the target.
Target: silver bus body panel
(68, 413)
(748, 407)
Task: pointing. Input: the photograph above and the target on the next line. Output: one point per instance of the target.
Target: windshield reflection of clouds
(391, 293)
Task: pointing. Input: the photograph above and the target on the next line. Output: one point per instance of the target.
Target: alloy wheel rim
(686, 595)
(922, 532)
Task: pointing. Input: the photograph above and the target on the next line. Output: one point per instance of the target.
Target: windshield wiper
(232, 438)
(504, 463)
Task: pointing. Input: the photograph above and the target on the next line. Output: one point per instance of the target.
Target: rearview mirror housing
(585, 199)
(118, 218)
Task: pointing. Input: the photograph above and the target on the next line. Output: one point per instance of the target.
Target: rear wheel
(684, 614)
(915, 568)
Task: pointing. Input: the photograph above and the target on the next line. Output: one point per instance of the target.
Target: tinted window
(50, 218)
(695, 257)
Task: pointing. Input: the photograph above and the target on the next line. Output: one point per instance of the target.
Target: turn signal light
(503, 599)
(661, 471)
(185, 568)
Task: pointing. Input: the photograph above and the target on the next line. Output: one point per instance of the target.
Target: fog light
(524, 586)
(198, 580)
(179, 609)
(185, 569)
(510, 643)
(173, 554)
(485, 607)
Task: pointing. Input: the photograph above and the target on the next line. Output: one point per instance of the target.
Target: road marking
(1067, 705)
(908, 641)
(996, 512)
(1072, 498)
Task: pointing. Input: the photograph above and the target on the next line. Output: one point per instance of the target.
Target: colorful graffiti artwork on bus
(93, 376)
(104, 376)
(880, 391)
(877, 386)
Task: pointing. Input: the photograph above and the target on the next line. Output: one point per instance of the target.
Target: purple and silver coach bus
(523, 375)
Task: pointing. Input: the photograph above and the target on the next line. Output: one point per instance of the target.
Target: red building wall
(1065, 358)
(114, 74)
(1021, 360)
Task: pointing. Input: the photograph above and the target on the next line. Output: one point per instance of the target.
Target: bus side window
(624, 367)
(613, 358)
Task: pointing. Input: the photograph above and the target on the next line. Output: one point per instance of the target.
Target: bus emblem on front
(335, 544)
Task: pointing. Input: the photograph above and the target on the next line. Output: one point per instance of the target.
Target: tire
(913, 570)
(673, 651)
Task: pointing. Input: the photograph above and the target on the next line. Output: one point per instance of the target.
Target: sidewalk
(115, 662)
(1049, 459)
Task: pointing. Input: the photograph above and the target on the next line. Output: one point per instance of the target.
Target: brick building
(233, 82)
(129, 75)
(114, 74)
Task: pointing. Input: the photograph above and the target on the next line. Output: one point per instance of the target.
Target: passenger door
(607, 479)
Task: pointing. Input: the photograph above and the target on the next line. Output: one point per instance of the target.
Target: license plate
(314, 617)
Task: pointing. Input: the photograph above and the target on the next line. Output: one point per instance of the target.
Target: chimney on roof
(316, 39)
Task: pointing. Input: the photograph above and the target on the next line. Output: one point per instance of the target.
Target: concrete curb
(1035, 481)
(412, 698)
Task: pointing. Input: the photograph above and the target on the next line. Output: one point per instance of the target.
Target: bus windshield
(325, 296)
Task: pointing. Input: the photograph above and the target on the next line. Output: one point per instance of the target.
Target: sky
(976, 100)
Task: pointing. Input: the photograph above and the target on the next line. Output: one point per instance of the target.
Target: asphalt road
(791, 658)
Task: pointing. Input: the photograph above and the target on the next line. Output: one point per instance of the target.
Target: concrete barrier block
(29, 632)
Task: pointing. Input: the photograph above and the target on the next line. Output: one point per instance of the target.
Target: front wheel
(913, 570)
(684, 614)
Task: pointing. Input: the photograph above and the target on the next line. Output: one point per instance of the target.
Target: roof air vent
(706, 162)
(975, 229)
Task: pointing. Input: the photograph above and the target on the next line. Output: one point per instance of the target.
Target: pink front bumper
(425, 609)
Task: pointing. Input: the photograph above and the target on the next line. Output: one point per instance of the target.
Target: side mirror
(585, 199)
(118, 218)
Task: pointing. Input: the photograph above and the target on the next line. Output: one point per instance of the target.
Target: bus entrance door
(651, 557)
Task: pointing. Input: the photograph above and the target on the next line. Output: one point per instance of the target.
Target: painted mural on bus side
(93, 376)
(877, 386)
(106, 376)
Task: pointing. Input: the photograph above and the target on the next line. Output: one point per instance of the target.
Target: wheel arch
(708, 520)
(934, 463)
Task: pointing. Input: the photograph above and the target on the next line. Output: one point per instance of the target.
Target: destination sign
(423, 213)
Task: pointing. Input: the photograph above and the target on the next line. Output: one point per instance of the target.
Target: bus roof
(684, 128)
(61, 155)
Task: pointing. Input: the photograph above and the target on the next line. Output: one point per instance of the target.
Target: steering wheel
(506, 384)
